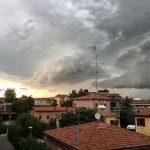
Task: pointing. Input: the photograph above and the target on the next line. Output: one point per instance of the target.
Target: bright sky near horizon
(46, 47)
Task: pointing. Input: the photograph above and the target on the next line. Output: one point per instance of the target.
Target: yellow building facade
(142, 122)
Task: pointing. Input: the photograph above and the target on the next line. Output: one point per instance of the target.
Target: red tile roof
(144, 113)
(97, 136)
(95, 97)
(44, 99)
(106, 113)
(140, 102)
(49, 109)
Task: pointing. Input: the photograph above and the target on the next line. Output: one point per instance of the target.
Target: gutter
(144, 147)
(59, 143)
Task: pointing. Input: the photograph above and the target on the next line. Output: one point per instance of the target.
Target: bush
(3, 129)
(71, 118)
(18, 132)
(32, 144)
(14, 135)
(25, 120)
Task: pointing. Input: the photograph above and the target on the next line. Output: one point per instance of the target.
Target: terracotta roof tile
(144, 113)
(141, 102)
(95, 97)
(49, 109)
(106, 113)
(99, 136)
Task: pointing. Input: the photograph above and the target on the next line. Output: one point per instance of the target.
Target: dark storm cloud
(127, 60)
(136, 66)
(43, 37)
(132, 19)
(71, 70)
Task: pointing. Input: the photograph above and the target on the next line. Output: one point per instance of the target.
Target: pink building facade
(93, 100)
(45, 114)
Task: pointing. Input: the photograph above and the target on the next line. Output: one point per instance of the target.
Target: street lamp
(30, 127)
(9, 119)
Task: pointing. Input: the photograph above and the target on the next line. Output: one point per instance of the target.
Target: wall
(91, 103)
(108, 119)
(53, 146)
(85, 103)
(44, 114)
(144, 130)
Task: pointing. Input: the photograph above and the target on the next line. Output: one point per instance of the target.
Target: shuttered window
(141, 122)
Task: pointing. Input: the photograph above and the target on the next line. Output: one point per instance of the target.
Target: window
(114, 122)
(40, 117)
(113, 104)
(140, 122)
(74, 104)
(47, 116)
(95, 104)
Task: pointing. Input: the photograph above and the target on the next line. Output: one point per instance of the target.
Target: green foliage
(26, 120)
(54, 103)
(10, 95)
(32, 144)
(14, 135)
(20, 130)
(3, 129)
(67, 103)
(71, 118)
(127, 113)
(23, 105)
(75, 94)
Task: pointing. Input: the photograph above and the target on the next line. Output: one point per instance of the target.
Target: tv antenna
(96, 72)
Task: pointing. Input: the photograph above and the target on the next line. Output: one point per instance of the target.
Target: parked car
(131, 127)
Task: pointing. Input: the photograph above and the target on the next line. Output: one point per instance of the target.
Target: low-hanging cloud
(69, 70)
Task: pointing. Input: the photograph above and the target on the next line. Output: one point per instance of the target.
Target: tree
(25, 120)
(67, 103)
(23, 104)
(54, 103)
(22, 141)
(10, 95)
(127, 113)
(71, 118)
(75, 94)
(82, 92)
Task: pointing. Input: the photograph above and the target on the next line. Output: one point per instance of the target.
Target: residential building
(93, 100)
(140, 104)
(43, 101)
(142, 122)
(109, 117)
(46, 113)
(96, 136)
(60, 98)
(6, 114)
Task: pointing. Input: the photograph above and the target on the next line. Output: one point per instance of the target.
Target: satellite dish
(98, 116)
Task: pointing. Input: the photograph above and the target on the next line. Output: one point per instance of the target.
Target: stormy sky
(49, 45)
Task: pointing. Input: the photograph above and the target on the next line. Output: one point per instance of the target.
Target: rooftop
(95, 97)
(144, 113)
(140, 102)
(106, 113)
(49, 109)
(97, 136)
